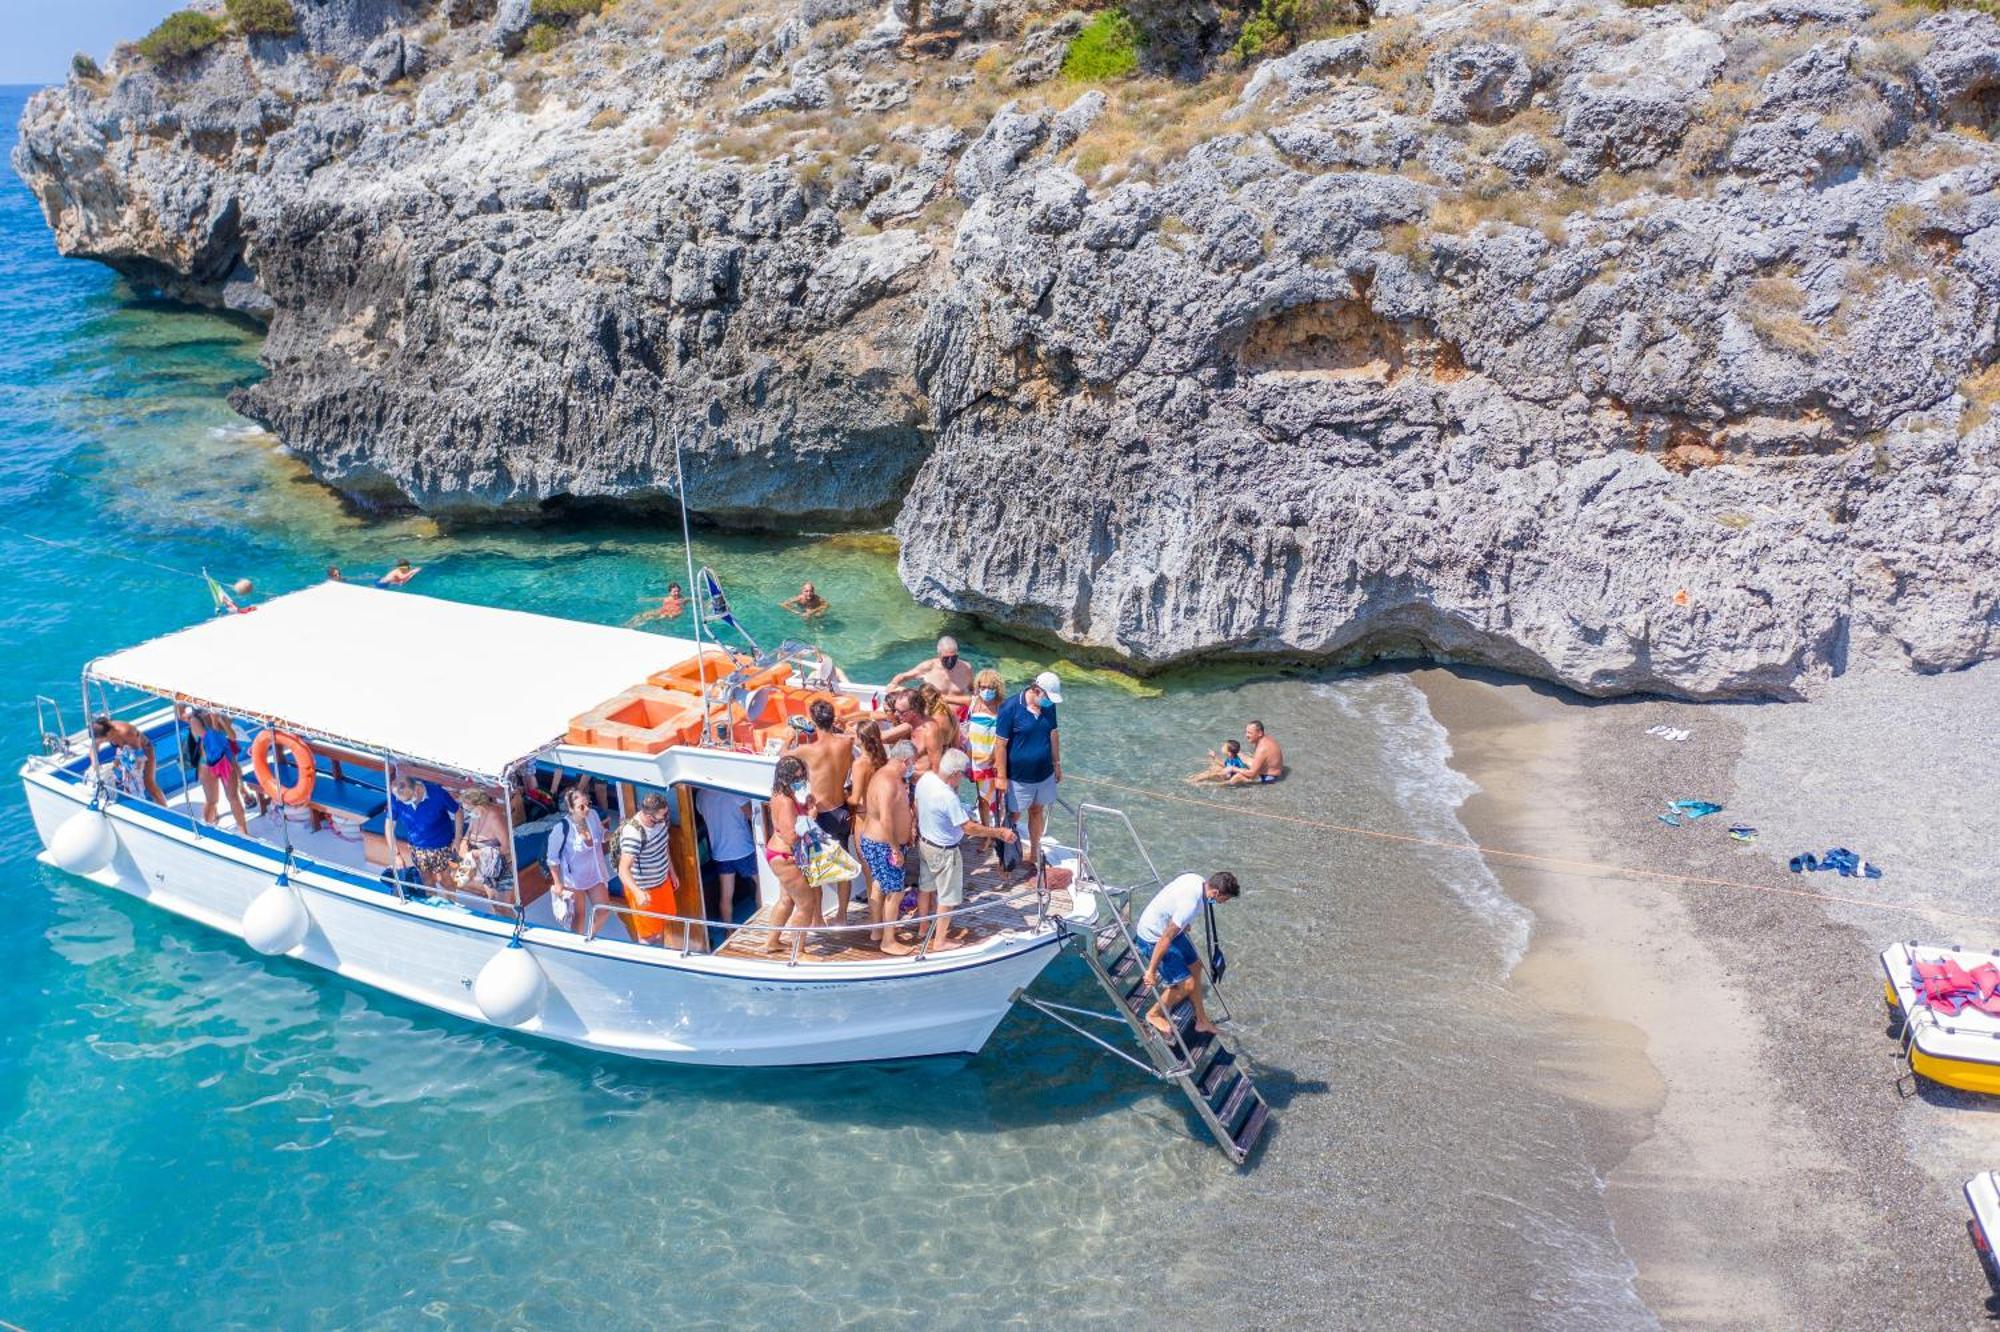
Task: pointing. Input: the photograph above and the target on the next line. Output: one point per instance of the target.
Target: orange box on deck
(644, 720)
(687, 675)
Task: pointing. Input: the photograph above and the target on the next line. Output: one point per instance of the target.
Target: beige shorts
(944, 874)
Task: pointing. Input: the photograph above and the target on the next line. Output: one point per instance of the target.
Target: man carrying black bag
(1170, 955)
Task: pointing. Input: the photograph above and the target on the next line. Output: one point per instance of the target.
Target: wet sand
(1725, 1048)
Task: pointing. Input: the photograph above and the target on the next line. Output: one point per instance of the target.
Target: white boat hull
(644, 1002)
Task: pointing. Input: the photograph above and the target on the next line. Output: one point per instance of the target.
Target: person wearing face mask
(980, 738)
(947, 672)
(1028, 757)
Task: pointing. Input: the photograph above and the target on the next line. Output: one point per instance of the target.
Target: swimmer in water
(399, 575)
(808, 604)
(670, 607)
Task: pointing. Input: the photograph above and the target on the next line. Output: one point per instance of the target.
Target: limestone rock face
(1639, 349)
(1482, 81)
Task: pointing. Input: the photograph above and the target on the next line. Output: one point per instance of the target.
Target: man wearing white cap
(947, 672)
(1027, 755)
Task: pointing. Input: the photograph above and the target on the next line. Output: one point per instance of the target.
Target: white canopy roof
(470, 688)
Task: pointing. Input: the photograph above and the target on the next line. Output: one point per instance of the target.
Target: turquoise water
(194, 1136)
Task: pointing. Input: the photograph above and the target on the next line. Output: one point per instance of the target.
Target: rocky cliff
(1636, 348)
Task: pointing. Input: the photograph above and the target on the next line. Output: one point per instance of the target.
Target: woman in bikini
(791, 800)
(487, 868)
(214, 742)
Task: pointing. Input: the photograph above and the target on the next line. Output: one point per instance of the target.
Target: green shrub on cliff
(84, 67)
(542, 39)
(562, 11)
(1280, 25)
(262, 18)
(181, 34)
(1107, 48)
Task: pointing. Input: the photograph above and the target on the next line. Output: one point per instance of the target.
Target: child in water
(1221, 765)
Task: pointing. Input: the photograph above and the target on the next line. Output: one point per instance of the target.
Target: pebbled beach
(1728, 1054)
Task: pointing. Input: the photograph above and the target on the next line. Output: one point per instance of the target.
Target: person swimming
(670, 608)
(401, 574)
(808, 604)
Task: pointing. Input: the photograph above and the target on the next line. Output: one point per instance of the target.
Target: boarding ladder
(1211, 1070)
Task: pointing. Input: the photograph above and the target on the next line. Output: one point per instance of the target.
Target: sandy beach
(1729, 1050)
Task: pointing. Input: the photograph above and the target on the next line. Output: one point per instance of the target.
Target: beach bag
(1010, 853)
(827, 862)
(1217, 963)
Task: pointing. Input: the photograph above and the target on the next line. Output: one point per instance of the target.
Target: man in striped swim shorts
(643, 868)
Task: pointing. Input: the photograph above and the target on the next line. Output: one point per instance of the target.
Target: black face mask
(948, 662)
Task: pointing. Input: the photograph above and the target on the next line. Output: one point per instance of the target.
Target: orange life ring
(300, 791)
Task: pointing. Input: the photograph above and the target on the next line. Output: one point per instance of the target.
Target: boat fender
(300, 791)
(85, 843)
(511, 988)
(276, 920)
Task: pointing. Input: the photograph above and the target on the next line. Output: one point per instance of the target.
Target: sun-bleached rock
(1675, 382)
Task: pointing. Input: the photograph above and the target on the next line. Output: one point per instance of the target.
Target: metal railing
(1084, 810)
(599, 912)
(56, 743)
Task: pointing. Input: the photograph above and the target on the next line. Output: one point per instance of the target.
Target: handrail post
(513, 861)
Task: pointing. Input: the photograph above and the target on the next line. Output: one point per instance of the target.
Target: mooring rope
(92, 548)
(1534, 858)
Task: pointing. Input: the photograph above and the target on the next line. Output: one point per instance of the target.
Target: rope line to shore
(1533, 858)
(99, 550)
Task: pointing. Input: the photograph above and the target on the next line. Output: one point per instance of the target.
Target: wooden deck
(991, 907)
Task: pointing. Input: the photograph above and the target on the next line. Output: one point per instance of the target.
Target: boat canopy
(470, 689)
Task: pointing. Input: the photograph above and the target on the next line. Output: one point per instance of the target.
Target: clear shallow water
(191, 1135)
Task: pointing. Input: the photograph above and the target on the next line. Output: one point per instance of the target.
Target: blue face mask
(989, 694)
(801, 791)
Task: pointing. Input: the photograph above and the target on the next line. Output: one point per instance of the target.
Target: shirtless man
(122, 735)
(931, 728)
(903, 719)
(808, 603)
(888, 823)
(828, 754)
(947, 673)
(1267, 760)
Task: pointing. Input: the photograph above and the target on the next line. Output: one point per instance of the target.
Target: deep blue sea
(195, 1136)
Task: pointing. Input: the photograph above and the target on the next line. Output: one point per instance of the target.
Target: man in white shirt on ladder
(1170, 955)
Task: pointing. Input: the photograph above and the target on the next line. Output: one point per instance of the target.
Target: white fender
(276, 920)
(511, 988)
(85, 843)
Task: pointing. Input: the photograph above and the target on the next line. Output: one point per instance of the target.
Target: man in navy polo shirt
(426, 819)
(1027, 755)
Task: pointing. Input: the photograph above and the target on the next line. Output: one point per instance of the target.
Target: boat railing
(599, 912)
(1084, 810)
(57, 743)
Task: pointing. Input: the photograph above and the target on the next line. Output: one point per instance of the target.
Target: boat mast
(694, 597)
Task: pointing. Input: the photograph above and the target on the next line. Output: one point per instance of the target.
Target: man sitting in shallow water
(1267, 759)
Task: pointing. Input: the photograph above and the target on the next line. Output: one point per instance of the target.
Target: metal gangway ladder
(1211, 1070)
